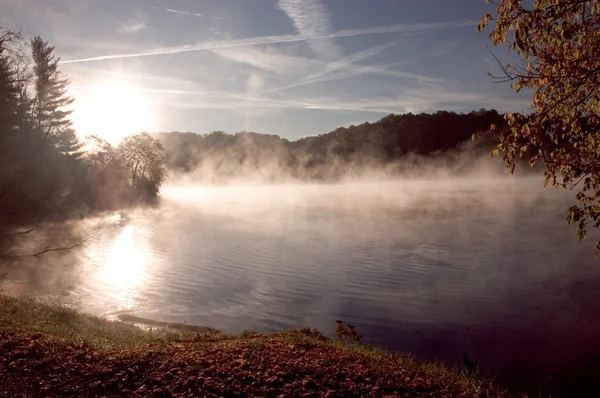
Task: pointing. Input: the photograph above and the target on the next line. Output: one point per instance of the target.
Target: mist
(411, 258)
(423, 248)
(291, 255)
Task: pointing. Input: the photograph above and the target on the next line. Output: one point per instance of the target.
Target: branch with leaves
(557, 45)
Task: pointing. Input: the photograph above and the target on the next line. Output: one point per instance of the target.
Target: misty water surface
(486, 265)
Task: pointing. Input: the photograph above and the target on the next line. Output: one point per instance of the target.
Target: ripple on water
(409, 263)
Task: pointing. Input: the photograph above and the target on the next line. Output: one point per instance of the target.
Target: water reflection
(411, 264)
(121, 269)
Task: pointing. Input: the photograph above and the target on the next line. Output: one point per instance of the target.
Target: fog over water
(482, 264)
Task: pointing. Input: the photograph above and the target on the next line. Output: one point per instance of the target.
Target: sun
(112, 110)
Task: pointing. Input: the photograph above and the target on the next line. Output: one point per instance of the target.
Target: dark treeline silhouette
(46, 172)
(389, 142)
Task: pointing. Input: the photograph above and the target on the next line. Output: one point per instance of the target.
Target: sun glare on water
(112, 111)
(124, 268)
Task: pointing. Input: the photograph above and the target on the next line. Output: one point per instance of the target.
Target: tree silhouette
(51, 102)
(9, 93)
(144, 158)
(45, 174)
(327, 156)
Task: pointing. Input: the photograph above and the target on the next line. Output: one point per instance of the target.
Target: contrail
(179, 12)
(310, 19)
(255, 41)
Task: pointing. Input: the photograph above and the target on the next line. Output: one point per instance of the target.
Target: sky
(287, 67)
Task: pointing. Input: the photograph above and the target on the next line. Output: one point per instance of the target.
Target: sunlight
(124, 268)
(112, 110)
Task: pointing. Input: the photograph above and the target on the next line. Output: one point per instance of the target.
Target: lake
(434, 267)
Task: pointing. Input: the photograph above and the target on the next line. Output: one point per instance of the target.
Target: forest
(50, 172)
(47, 171)
(394, 144)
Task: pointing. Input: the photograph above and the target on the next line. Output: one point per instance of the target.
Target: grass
(61, 321)
(64, 324)
(441, 373)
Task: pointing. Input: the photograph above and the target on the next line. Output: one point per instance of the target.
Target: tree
(557, 44)
(107, 178)
(9, 85)
(44, 172)
(8, 116)
(51, 102)
(145, 159)
(8, 98)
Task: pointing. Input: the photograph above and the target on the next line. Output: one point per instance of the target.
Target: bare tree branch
(18, 233)
(49, 249)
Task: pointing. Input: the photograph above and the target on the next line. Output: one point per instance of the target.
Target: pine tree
(51, 102)
(9, 93)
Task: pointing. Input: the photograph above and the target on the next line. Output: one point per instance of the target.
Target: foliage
(51, 103)
(347, 333)
(557, 44)
(219, 156)
(49, 349)
(9, 90)
(145, 159)
(45, 170)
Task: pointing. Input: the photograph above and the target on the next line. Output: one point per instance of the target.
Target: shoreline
(113, 358)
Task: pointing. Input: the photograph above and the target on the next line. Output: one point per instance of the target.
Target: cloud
(255, 82)
(269, 58)
(412, 96)
(311, 21)
(178, 12)
(346, 67)
(231, 101)
(84, 76)
(255, 41)
(423, 97)
(182, 12)
(134, 26)
(309, 70)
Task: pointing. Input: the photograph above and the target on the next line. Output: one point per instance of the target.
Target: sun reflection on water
(125, 267)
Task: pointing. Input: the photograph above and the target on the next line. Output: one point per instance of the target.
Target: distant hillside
(387, 143)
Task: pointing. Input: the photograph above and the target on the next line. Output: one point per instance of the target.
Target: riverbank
(51, 350)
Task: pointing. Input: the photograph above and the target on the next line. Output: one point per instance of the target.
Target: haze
(263, 165)
(216, 65)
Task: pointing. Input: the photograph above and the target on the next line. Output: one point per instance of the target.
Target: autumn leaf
(556, 42)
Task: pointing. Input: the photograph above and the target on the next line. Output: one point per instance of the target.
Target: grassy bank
(51, 350)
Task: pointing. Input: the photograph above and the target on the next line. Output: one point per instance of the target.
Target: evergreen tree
(10, 148)
(51, 102)
(9, 92)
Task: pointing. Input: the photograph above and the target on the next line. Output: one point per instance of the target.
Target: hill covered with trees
(49, 172)
(390, 143)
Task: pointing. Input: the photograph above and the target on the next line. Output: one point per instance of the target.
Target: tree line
(47, 172)
(390, 143)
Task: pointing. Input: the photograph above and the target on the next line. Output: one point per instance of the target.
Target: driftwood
(50, 249)
(18, 233)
